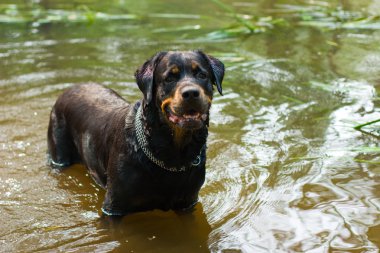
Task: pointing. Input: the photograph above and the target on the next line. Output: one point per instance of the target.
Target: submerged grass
(367, 161)
(369, 128)
(36, 14)
(241, 25)
(367, 150)
(337, 18)
(359, 127)
(321, 17)
(244, 24)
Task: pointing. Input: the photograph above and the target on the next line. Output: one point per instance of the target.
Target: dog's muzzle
(188, 108)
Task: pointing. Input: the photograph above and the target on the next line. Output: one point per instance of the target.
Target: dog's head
(180, 86)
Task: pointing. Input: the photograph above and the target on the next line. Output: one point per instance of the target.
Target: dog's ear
(217, 68)
(145, 76)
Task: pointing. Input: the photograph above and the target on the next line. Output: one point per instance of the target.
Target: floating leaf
(39, 15)
(322, 86)
(174, 16)
(367, 161)
(178, 29)
(366, 149)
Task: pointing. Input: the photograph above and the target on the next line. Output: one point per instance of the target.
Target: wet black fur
(93, 125)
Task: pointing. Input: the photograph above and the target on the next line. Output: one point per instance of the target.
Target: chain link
(143, 143)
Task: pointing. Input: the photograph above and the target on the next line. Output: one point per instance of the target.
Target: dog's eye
(171, 78)
(202, 75)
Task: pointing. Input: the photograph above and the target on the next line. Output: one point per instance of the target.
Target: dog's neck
(176, 147)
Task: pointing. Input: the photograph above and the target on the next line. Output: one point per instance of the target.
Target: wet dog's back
(88, 118)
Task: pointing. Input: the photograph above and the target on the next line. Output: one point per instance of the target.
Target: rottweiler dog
(147, 155)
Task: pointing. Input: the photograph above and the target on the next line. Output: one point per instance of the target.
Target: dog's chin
(190, 120)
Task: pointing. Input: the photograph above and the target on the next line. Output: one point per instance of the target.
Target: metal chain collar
(143, 143)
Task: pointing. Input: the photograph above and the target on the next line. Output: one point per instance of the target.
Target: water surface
(286, 171)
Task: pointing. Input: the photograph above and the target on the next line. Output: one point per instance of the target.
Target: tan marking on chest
(178, 136)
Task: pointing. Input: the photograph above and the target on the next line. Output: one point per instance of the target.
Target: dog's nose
(190, 93)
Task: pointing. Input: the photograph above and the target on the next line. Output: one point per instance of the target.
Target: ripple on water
(275, 196)
(217, 108)
(281, 174)
(230, 194)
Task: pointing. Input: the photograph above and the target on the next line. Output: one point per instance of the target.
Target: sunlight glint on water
(284, 173)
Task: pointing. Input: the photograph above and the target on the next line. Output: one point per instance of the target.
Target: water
(286, 170)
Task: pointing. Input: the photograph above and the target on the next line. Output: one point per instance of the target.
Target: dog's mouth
(190, 119)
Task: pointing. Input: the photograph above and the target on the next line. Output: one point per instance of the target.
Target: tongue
(174, 118)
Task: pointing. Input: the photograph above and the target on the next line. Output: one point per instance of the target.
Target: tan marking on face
(178, 132)
(175, 70)
(177, 96)
(194, 65)
(165, 103)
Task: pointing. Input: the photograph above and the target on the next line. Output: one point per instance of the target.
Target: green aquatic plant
(333, 18)
(244, 24)
(323, 17)
(242, 21)
(38, 15)
(241, 24)
(369, 128)
(367, 161)
(358, 127)
(366, 149)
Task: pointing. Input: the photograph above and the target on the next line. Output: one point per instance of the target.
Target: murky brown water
(286, 170)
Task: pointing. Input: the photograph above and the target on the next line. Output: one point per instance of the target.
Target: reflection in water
(284, 171)
(159, 231)
(177, 231)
